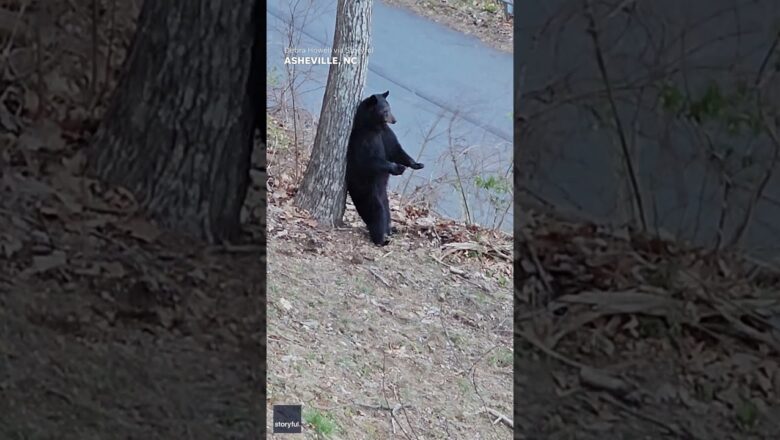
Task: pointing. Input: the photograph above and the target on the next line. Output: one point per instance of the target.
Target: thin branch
(761, 188)
(593, 32)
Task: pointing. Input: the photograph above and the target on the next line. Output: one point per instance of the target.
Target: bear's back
(364, 144)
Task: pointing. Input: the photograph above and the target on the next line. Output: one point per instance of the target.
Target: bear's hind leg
(390, 228)
(386, 204)
(363, 207)
(377, 233)
(378, 226)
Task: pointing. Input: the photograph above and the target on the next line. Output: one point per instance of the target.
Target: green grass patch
(320, 422)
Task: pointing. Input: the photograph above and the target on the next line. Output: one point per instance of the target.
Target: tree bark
(178, 131)
(323, 190)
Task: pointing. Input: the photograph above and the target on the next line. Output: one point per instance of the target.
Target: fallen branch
(500, 417)
(601, 381)
(235, 249)
(550, 352)
(463, 274)
(543, 275)
(397, 407)
(379, 277)
(673, 428)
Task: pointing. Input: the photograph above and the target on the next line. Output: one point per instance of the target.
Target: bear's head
(376, 110)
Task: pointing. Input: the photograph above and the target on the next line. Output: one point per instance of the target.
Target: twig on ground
(393, 410)
(601, 381)
(406, 277)
(235, 249)
(673, 428)
(463, 274)
(379, 277)
(10, 43)
(473, 371)
(393, 419)
(543, 275)
(398, 407)
(550, 352)
(498, 416)
(386, 255)
(450, 343)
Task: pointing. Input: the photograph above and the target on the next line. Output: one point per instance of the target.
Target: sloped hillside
(412, 339)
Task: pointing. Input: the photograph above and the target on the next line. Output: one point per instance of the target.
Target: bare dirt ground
(485, 20)
(413, 339)
(110, 331)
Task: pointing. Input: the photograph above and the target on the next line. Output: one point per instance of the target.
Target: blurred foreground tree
(179, 130)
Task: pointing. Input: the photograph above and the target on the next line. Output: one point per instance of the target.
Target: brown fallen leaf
(603, 381)
(9, 245)
(49, 211)
(8, 121)
(32, 101)
(75, 164)
(114, 269)
(45, 135)
(109, 270)
(60, 85)
(285, 304)
(120, 200)
(84, 226)
(22, 60)
(70, 202)
(141, 229)
(9, 22)
(626, 302)
(165, 316)
(43, 263)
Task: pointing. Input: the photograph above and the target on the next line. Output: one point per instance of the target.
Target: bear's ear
(371, 100)
(384, 95)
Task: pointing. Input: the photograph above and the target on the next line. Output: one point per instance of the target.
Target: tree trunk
(323, 191)
(178, 132)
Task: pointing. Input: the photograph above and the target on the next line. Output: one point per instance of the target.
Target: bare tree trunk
(323, 190)
(178, 132)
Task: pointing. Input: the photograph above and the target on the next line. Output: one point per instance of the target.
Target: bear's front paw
(417, 166)
(398, 170)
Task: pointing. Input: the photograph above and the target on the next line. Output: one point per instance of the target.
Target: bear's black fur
(373, 154)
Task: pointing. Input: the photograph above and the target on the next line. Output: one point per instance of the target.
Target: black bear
(373, 153)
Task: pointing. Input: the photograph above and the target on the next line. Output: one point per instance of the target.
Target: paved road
(433, 74)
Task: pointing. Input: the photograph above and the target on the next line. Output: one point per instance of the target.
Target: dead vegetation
(644, 337)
